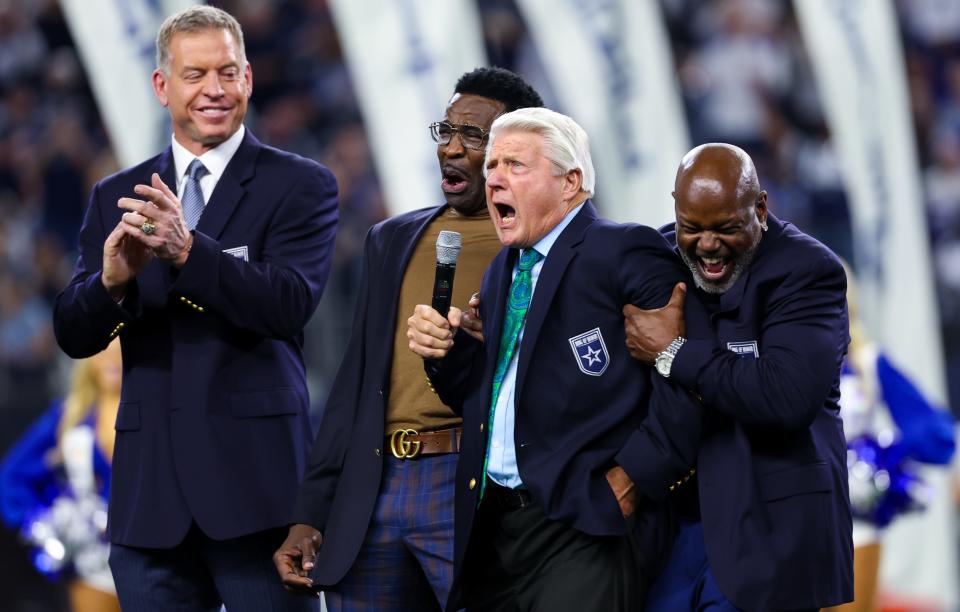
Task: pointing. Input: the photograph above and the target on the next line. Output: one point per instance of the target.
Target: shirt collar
(546, 243)
(215, 160)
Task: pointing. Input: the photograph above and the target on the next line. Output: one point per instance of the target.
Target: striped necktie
(192, 197)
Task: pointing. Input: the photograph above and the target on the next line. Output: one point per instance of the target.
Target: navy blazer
(342, 480)
(772, 465)
(573, 424)
(213, 424)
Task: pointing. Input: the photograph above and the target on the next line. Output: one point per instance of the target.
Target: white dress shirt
(215, 160)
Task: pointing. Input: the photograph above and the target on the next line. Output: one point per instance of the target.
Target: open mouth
(506, 214)
(713, 269)
(454, 180)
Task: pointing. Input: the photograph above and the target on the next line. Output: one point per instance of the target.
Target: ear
(572, 182)
(248, 77)
(159, 80)
(762, 208)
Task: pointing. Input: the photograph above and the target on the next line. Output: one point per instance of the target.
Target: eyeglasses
(471, 136)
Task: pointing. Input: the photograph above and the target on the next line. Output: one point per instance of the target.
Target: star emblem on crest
(592, 355)
(589, 352)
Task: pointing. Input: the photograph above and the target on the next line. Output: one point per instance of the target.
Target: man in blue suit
(208, 278)
(563, 432)
(765, 525)
(373, 523)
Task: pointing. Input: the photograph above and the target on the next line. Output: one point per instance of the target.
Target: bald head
(721, 214)
(719, 166)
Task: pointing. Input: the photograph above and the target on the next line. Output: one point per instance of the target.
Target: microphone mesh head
(448, 247)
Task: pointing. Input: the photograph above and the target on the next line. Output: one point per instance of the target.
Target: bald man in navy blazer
(766, 524)
(560, 469)
(212, 430)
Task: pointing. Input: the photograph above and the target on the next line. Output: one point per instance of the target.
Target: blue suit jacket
(340, 487)
(772, 465)
(572, 426)
(213, 424)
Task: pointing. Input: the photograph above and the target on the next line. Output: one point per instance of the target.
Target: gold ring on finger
(148, 228)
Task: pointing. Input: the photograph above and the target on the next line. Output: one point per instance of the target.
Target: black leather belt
(504, 498)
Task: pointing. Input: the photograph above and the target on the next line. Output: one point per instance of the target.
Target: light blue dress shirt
(502, 461)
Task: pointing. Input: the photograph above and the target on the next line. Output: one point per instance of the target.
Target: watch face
(663, 364)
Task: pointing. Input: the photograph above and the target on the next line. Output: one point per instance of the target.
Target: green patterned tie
(519, 300)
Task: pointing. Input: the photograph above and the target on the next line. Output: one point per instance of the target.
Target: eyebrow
(505, 158)
(219, 68)
(724, 223)
(463, 125)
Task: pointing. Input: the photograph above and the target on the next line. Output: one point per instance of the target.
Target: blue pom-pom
(883, 482)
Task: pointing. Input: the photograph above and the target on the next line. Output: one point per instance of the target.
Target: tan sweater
(412, 404)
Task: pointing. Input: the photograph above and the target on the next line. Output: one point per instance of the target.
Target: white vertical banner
(116, 40)
(858, 62)
(611, 66)
(405, 57)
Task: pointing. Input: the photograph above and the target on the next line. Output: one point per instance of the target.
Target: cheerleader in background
(889, 427)
(54, 483)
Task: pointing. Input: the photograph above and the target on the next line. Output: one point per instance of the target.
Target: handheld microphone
(448, 249)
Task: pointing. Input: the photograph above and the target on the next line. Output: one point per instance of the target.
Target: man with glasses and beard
(375, 512)
(775, 528)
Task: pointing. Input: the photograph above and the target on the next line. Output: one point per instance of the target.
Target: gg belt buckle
(401, 447)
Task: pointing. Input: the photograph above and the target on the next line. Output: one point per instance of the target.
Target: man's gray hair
(196, 19)
(564, 141)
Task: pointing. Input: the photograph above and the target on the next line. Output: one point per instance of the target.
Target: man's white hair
(565, 143)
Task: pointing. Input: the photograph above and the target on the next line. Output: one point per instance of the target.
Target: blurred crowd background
(745, 80)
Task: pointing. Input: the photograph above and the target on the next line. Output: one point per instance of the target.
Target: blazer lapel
(166, 169)
(230, 188)
(731, 299)
(500, 278)
(396, 256)
(154, 280)
(561, 254)
(400, 249)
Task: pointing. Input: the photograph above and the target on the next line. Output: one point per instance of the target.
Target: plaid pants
(406, 561)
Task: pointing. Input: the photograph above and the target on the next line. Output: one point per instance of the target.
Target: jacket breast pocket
(128, 416)
(810, 478)
(274, 402)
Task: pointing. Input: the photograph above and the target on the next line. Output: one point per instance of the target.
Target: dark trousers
(518, 560)
(200, 573)
(687, 582)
